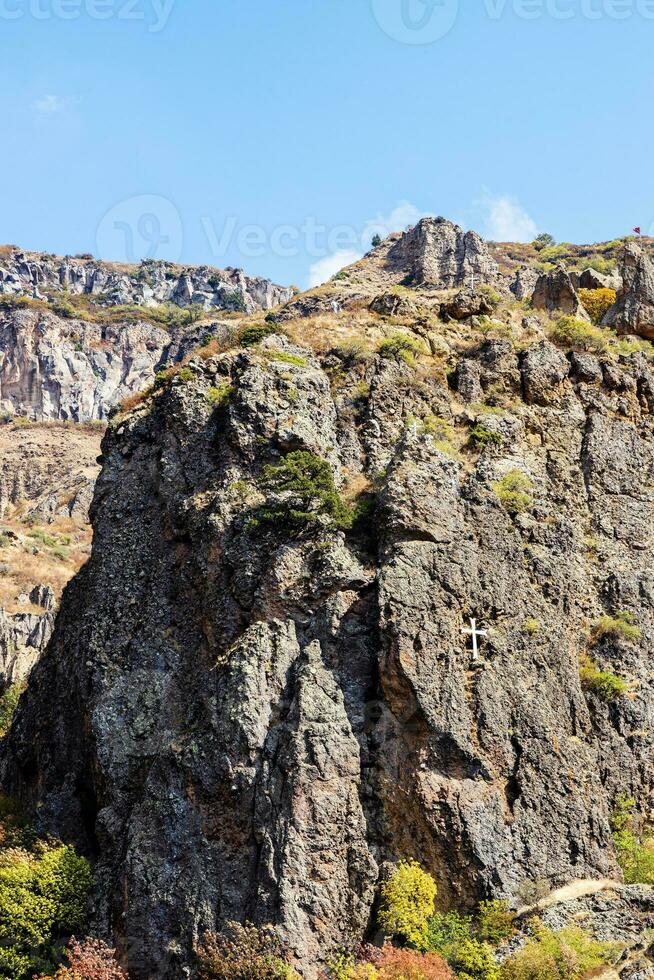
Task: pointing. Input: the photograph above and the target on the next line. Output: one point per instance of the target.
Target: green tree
(408, 899)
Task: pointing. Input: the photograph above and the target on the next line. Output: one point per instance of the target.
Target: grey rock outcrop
(591, 279)
(634, 308)
(23, 637)
(524, 284)
(259, 717)
(440, 255)
(149, 284)
(555, 293)
(66, 369)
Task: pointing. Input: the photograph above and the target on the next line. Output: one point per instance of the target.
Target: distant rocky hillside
(260, 692)
(151, 283)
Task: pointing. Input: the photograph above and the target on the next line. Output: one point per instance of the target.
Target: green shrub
(309, 483)
(445, 931)
(604, 684)
(495, 922)
(474, 960)
(490, 294)
(219, 394)
(43, 896)
(621, 626)
(565, 955)
(244, 953)
(185, 375)
(579, 335)
(8, 703)
(514, 491)
(376, 240)
(597, 302)
(635, 851)
(400, 346)
(255, 333)
(481, 436)
(408, 899)
(531, 625)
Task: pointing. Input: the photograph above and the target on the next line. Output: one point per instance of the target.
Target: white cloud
(52, 103)
(507, 220)
(399, 219)
(324, 269)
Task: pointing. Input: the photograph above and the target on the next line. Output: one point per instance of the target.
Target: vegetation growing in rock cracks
(304, 489)
(634, 847)
(603, 683)
(219, 394)
(568, 954)
(481, 436)
(43, 893)
(514, 491)
(244, 953)
(621, 626)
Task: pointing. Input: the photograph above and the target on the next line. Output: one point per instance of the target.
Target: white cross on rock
(475, 634)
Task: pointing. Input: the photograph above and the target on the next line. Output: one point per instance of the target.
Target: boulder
(466, 303)
(555, 293)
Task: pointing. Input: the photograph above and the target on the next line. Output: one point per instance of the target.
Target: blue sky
(271, 134)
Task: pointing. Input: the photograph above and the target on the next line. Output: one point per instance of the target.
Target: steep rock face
(439, 254)
(257, 720)
(149, 284)
(634, 309)
(54, 368)
(23, 636)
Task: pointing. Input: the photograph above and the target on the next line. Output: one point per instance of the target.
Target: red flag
(637, 230)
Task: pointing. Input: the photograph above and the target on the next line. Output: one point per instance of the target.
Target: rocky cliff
(259, 692)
